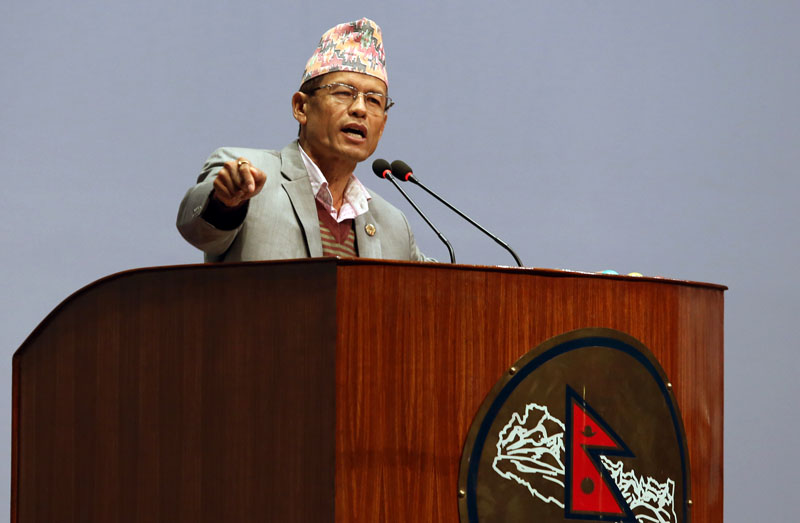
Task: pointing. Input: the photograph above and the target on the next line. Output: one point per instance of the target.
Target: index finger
(244, 171)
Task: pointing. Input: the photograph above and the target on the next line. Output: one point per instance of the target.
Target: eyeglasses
(376, 103)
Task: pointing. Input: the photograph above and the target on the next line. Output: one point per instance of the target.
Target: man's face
(336, 129)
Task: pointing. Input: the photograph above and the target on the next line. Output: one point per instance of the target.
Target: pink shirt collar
(356, 196)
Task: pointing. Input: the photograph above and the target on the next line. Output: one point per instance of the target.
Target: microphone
(403, 172)
(383, 170)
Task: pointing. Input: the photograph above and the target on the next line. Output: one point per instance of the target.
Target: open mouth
(355, 130)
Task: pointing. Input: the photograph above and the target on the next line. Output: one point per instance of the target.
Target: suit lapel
(368, 246)
(298, 188)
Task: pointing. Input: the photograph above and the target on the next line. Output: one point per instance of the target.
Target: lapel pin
(370, 229)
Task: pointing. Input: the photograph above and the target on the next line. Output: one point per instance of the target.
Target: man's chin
(357, 153)
(342, 152)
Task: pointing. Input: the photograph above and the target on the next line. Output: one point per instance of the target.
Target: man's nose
(359, 105)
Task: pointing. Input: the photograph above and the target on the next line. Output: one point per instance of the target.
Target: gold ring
(242, 162)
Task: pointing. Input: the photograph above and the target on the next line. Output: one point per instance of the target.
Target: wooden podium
(315, 390)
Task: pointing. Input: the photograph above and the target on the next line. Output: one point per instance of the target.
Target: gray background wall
(658, 137)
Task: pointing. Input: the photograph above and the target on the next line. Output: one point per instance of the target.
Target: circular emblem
(582, 428)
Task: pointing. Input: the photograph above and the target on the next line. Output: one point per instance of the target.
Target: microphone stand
(432, 226)
(413, 179)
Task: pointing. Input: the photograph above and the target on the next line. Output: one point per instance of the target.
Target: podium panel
(316, 390)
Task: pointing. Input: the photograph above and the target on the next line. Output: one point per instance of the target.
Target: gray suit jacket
(281, 220)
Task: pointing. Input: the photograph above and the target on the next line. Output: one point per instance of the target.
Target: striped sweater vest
(338, 239)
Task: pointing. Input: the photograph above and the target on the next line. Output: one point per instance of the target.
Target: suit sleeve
(203, 225)
(414, 253)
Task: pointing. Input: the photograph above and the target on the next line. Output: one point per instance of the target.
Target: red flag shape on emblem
(592, 492)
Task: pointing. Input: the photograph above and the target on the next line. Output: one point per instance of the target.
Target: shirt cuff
(222, 217)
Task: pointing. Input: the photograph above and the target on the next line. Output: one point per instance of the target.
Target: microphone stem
(470, 220)
(432, 226)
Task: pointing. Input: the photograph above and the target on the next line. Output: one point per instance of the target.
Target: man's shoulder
(378, 205)
(232, 153)
(284, 160)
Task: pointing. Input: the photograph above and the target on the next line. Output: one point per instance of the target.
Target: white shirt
(356, 196)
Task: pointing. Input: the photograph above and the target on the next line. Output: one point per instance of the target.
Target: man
(252, 204)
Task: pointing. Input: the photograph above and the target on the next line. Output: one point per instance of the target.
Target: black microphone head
(401, 170)
(381, 168)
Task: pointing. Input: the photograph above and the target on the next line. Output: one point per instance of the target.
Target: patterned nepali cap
(352, 46)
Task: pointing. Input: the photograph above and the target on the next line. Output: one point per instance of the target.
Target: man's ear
(300, 107)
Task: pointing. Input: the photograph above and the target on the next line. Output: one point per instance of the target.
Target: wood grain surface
(172, 395)
(419, 348)
(315, 390)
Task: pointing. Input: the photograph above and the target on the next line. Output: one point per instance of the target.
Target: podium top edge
(336, 261)
(562, 273)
